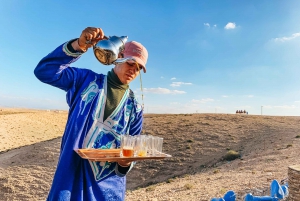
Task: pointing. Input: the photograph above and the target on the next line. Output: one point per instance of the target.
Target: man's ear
(120, 55)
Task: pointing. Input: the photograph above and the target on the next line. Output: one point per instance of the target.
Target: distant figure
(236, 111)
(244, 111)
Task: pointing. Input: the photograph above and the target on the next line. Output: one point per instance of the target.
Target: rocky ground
(198, 143)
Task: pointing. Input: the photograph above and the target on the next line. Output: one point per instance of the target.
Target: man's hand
(88, 38)
(124, 163)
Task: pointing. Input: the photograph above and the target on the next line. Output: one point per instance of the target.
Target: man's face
(127, 71)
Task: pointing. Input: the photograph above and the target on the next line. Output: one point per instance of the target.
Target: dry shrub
(232, 155)
(170, 180)
(188, 186)
(150, 188)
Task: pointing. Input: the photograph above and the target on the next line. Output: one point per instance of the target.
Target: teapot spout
(123, 39)
(123, 60)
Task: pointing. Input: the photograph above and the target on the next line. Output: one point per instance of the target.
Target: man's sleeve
(54, 68)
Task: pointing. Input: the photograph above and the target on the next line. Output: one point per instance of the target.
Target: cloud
(32, 102)
(173, 78)
(243, 107)
(18, 98)
(203, 100)
(162, 77)
(14, 97)
(230, 25)
(283, 39)
(286, 106)
(280, 106)
(250, 96)
(139, 96)
(225, 96)
(162, 91)
(206, 24)
(178, 84)
(267, 106)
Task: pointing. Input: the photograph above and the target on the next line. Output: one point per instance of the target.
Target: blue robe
(76, 178)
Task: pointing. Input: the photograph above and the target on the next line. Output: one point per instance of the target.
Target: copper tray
(113, 155)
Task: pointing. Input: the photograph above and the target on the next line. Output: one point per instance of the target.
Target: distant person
(236, 111)
(101, 109)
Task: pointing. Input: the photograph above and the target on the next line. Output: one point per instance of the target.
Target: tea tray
(113, 155)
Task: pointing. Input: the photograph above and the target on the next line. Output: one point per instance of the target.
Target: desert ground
(198, 143)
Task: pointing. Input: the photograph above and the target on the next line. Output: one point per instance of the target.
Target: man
(102, 108)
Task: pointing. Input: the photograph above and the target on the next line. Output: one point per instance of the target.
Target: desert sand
(268, 145)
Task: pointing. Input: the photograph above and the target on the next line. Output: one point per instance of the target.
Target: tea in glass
(128, 151)
(127, 145)
(142, 153)
(141, 146)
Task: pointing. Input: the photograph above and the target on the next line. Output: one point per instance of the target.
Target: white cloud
(280, 106)
(243, 107)
(283, 39)
(250, 96)
(24, 98)
(230, 25)
(178, 84)
(286, 106)
(32, 102)
(203, 100)
(15, 97)
(267, 106)
(297, 101)
(206, 24)
(173, 78)
(225, 96)
(162, 91)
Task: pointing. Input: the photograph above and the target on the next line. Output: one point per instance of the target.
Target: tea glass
(159, 145)
(127, 145)
(150, 144)
(141, 146)
(154, 145)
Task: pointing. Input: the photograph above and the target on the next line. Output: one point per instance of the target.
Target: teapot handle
(90, 41)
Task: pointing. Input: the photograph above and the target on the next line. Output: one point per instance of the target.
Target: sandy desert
(198, 143)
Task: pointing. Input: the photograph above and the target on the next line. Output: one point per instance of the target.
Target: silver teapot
(107, 51)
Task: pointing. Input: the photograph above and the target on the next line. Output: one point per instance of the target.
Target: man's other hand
(88, 38)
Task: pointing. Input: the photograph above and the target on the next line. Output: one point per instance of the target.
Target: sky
(205, 56)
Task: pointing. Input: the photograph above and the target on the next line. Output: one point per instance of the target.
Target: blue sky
(204, 56)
